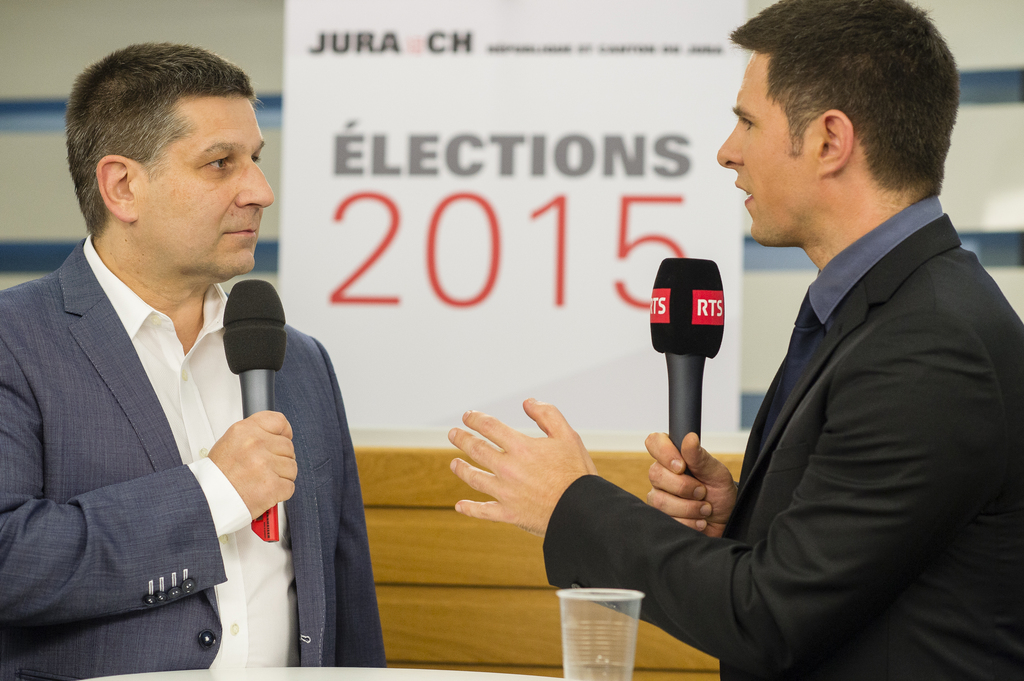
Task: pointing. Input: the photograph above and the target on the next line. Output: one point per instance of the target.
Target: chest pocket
(786, 459)
(785, 471)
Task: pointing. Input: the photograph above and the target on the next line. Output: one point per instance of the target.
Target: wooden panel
(520, 627)
(638, 675)
(422, 477)
(493, 668)
(458, 593)
(410, 477)
(440, 546)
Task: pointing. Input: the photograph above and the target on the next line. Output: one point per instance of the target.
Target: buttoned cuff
(230, 514)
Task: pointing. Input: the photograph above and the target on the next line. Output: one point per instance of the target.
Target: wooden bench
(458, 593)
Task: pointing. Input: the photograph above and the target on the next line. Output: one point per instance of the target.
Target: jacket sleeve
(94, 553)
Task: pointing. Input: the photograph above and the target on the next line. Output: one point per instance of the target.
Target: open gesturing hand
(527, 475)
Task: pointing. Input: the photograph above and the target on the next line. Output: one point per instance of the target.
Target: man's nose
(257, 190)
(728, 154)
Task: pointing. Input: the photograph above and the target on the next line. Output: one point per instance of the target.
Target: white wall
(45, 43)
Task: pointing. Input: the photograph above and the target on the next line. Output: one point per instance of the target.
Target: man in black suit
(877, 531)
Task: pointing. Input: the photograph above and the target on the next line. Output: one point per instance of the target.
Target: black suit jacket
(880, 534)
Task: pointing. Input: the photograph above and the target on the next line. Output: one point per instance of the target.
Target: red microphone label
(659, 305)
(708, 308)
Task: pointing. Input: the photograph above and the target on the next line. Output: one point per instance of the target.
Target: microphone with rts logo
(255, 342)
(687, 323)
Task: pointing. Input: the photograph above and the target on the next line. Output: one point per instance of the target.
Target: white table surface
(325, 674)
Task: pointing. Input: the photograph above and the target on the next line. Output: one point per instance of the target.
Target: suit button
(160, 596)
(149, 599)
(206, 638)
(189, 585)
(174, 592)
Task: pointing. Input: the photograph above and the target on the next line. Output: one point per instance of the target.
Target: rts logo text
(659, 305)
(437, 42)
(709, 308)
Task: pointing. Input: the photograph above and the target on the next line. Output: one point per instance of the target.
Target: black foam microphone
(687, 323)
(255, 342)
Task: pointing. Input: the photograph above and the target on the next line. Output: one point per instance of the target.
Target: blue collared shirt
(847, 268)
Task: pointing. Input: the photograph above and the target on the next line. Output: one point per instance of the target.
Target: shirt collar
(847, 268)
(133, 311)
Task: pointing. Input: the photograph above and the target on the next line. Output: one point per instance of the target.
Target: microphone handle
(257, 391)
(685, 387)
(258, 395)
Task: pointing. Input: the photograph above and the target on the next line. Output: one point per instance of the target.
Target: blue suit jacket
(95, 502)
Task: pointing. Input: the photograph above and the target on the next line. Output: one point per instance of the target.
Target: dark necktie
(807, 335)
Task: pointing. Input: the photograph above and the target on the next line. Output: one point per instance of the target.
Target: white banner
(477, 195)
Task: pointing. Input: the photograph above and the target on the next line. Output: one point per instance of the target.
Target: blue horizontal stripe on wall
(992, 87)
(994, 249)
(758, 258)
(46, 256)
(44, 115)
(749, 404)
(268, 112)
(47, 115)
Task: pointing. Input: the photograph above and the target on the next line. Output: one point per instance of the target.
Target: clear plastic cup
(599, 633)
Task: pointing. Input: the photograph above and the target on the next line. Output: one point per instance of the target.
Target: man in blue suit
(128, 478)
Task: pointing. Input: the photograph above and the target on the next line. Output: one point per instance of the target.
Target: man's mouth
(243, 231)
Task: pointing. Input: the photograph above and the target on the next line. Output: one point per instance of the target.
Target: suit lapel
(875, 288)
(97, 329)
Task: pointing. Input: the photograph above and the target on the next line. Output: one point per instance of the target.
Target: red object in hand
(266, 527)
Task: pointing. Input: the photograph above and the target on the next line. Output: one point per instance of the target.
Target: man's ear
(116, 176)
(836, 142)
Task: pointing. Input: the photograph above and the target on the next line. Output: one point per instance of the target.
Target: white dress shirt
(202, 399)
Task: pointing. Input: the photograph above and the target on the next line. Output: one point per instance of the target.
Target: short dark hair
(126, 104)
(882, 63)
